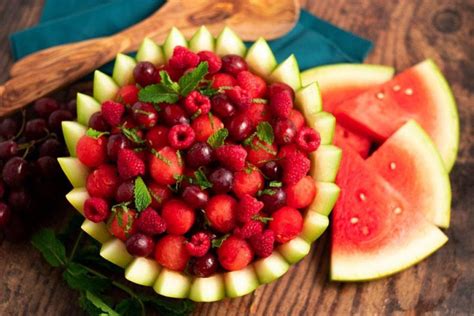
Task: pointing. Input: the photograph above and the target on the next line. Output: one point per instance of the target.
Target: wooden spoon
(41, 73)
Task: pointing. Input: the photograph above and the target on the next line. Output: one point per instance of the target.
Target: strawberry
(129, 164)
(234, 254)
(257, 112)
(127, 94)
(112, 112)
(165, 166)
(157, 137)
(307, 139)
(223, 80)
(199, 244)
(258, 153)
(159, 194)
(171, 253)
(122, 223)
(92, 152)
(103, 182)
(248, 207)
(206, 125)
(262, 244)
(281, 104)
(248, 181)
(302, 193)
(295, 166)
(179, 217)
(249, 229)
(297, 118)
(231, 156)
(279, 87)
(255, 85)
(150, 222)
(214, 62)
(183, 58)
(287, 223)
(96, 209)
(221, 211)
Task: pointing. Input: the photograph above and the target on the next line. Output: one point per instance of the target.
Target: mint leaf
(201, 179)
(161, 157)
(275, 184)
(50, 246)
(217, 242)
(209, 91)
(99, 304)
(266, 192)
(262, 219)
(217, 139)
(191, 80)
(168, 82)
(95, 133)
(265, 132)
(79, 278)
(158, 93)
(142, 195)
(168, 307)
(129, 307)
(131, 134)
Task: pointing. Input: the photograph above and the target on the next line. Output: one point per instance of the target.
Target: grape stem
(23, 123)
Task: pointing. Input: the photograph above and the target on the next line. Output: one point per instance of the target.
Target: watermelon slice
(376, 231)
(419, 93)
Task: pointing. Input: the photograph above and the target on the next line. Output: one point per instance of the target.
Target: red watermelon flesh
(375, 231)
(420, 93)
(345, 138)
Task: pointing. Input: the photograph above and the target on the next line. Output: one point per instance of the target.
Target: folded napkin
(313, 41)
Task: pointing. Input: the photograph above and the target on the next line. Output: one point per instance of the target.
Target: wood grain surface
(404, 32)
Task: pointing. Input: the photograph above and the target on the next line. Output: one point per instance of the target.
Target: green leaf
(209, 91)
(131, 134)
(275, 184)
(142, 195)
(161, 157)
(217, 242)
(158, 93)
(95, 133)
(168, 307)
(189, 81)
(266, 192)
(262, 219)
(217, 139)
(201, 179)
(129, 307)
(90, 300)
(265, 132)
(79, 278)
(50, 247)
(168, 82)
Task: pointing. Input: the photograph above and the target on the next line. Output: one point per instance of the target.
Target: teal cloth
(313, 41)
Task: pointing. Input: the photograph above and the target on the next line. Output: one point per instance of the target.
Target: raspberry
(125, 226)
(112, 112)
(287, 223)
(214, 62)
(308, 139)
(199, 244)
(249, 229)
(255, 85)
(174, 73)
(181, 136)
(239, 97)
(248, 207)
(221, 212)
(284, 150)
(262, 244)
(257, 112)
(278, 87)
(165, 166)
(206, 125)
(295, 166)
(129, 164)
(92, 152)
(247, 182)
(150, 222)
(302, 193)
(281, 104)
(297, 118)
(231, 156)
(183, 58)
(159, 194)
(171, 253)
(179, 217)
(157, 137)
(195, 102)
(128, 94)
(234, 254)
(103, 182)
(223, 80)
(96, 209)
(260, 152)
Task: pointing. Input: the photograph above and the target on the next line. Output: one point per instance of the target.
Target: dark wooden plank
(404, 33)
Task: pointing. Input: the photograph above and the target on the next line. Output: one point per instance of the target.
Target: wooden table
(404, 33)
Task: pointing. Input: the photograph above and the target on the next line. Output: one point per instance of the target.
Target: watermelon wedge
(420, 93)
(409, 161)
(376, 231)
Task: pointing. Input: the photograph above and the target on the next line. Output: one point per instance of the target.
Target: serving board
(404, 32)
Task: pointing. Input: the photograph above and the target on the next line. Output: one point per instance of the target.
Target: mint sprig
(265, 132)
(201, 180)
(142, 195)
(217, 242)
(217, 139)
(189, 81)
(95, 133)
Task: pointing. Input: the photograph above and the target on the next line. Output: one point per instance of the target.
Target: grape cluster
(32, 185)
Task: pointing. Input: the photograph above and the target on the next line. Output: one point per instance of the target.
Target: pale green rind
(325, 163)
(123, 69)
(151, 52)
(142, 271)
(77, 197)
(342, 75)
(294, 250)
(260, 58)
(86, 106)
(72, 132)
(202, 40)
(98, 231)
(308, 100)
(209, 289)
(172, 284)
(327, 194)
(105, 88)
(115, 251)
(229, 43)
(270, 268)
(74, 170)
(314, 226)
(325, 124)
(241, 282)
(287, 72)
(175, 38)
